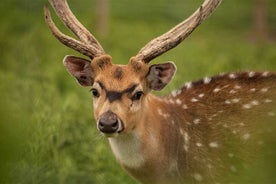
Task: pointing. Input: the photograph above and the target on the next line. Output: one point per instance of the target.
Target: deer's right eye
(95, 92)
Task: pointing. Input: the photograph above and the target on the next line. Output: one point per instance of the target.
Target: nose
(108, 123)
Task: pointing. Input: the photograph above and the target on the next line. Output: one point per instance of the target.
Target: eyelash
(95, 92)
(137, 95)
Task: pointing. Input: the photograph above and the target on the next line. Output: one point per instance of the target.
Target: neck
(133, 149)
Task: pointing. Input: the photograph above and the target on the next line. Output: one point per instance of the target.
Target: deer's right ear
(80, 69)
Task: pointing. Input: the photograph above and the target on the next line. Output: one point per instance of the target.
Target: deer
(209, 131)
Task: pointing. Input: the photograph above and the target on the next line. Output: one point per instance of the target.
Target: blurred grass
(47, 131)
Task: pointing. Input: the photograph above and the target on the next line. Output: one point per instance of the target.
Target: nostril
(115, 125)
(100, 125)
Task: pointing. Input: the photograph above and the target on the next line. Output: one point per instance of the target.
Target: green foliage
(47, 130)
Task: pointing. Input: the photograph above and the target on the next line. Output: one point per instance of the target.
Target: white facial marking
(213, 144)
(252, 90)
(126, 149)
(207, 80)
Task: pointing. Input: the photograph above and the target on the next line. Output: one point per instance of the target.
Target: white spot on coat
(194, 100)
(246, 136)
(264, 90)
(267, 100)
(185, 106)
(216, 90)
(201, 95)
(232, 76)
(207, 80)
(265, 74)
(251, 74)
(178, 101)
(213, 144)
(235, 100)
(196, 121)
(198, 177)
(189, 85)
(198, 144)
(246, 106)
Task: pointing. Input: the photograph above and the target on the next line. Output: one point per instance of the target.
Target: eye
(137, 95)
(95, 92)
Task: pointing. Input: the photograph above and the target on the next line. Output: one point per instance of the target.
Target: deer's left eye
(137, 95)
(95, 92)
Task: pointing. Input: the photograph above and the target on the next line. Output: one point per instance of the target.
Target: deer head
(120, 91)
(145, 131)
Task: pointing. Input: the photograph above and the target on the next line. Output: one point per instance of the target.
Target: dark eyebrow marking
(117, 95)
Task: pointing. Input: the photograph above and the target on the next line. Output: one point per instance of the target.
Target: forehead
(118, 77)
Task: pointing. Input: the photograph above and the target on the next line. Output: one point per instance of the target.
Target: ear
(160, 75)
(80, 69)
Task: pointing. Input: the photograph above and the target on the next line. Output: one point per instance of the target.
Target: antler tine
(88, 44)
(177, 34)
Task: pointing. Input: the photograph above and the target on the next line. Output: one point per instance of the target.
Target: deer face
(119, 91)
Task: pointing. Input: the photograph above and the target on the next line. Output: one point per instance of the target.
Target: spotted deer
(207, 131)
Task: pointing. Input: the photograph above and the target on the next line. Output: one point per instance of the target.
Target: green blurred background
(47, 130)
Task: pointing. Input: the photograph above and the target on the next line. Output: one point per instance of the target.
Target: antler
(88, 44)
(177, 34)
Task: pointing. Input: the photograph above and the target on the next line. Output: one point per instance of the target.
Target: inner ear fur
(80, 69)
(160, 75)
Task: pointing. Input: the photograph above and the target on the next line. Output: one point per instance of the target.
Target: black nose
(108, 123)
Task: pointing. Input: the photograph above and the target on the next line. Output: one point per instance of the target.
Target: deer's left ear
(160, 75)
(80, 69)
